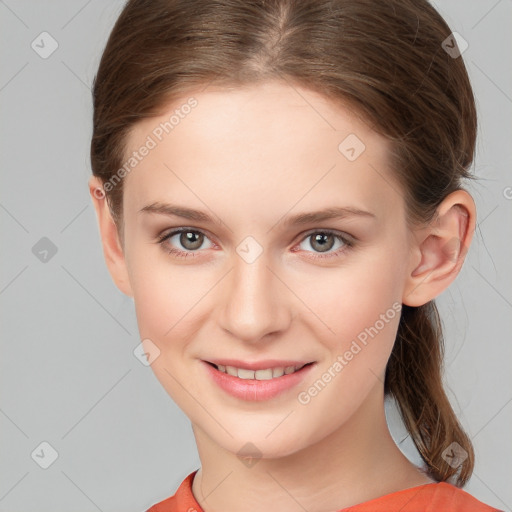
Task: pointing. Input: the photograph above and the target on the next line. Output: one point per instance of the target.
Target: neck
(356, 463)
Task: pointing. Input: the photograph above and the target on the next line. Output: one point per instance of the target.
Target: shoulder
(455, 499)
(434, 497)
(182, 501)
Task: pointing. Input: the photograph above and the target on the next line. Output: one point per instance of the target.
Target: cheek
(350, 299)
(167, 297)
(155, 301)
(362, 305)
(168, 307)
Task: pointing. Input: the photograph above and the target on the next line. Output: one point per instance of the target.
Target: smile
(256, 384)
(267, 374)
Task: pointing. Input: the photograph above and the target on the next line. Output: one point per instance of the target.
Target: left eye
(324, 241)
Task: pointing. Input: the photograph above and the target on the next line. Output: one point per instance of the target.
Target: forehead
(262, 143)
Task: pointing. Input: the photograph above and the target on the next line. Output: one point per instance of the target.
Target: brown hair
(383, 58)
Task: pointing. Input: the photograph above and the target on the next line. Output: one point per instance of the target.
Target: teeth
(269, 373)
(277, 372)
(262, 374)
(231, 370)
(245, 374)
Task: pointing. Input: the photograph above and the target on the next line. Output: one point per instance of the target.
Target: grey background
(68, 373)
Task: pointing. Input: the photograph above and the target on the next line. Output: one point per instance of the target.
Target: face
(300, 310)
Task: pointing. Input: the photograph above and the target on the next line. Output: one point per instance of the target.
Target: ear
(440, 248)
(112, 246)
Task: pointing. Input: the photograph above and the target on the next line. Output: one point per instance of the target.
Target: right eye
(190, 240)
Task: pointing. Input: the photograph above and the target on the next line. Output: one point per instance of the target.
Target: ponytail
(414, 379)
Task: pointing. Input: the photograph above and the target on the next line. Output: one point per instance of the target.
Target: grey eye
(322, 241)
(189, 240)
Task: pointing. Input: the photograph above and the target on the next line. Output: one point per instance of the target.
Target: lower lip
(253, 389)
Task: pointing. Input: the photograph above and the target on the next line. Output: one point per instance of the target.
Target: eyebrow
(330, 213)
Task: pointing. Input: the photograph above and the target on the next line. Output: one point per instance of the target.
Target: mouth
(264, 381)
(262, 374)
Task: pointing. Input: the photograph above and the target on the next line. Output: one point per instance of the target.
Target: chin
(256, 442)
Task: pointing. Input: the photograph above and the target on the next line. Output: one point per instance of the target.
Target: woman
(278, 186)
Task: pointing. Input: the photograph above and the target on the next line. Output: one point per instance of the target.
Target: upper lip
(258, 365)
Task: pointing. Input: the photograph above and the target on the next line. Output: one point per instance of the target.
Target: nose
(255, 303)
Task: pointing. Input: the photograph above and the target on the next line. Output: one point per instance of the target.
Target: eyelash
(348, 243)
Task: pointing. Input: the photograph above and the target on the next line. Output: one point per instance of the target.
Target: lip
(258, 365)
(252, 389)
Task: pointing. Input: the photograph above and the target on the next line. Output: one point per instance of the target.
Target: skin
(251, 157)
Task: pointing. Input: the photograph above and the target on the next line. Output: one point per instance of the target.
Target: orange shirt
(435, 497)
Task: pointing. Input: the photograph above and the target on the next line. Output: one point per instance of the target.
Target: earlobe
(112, 247)
(441, 249)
